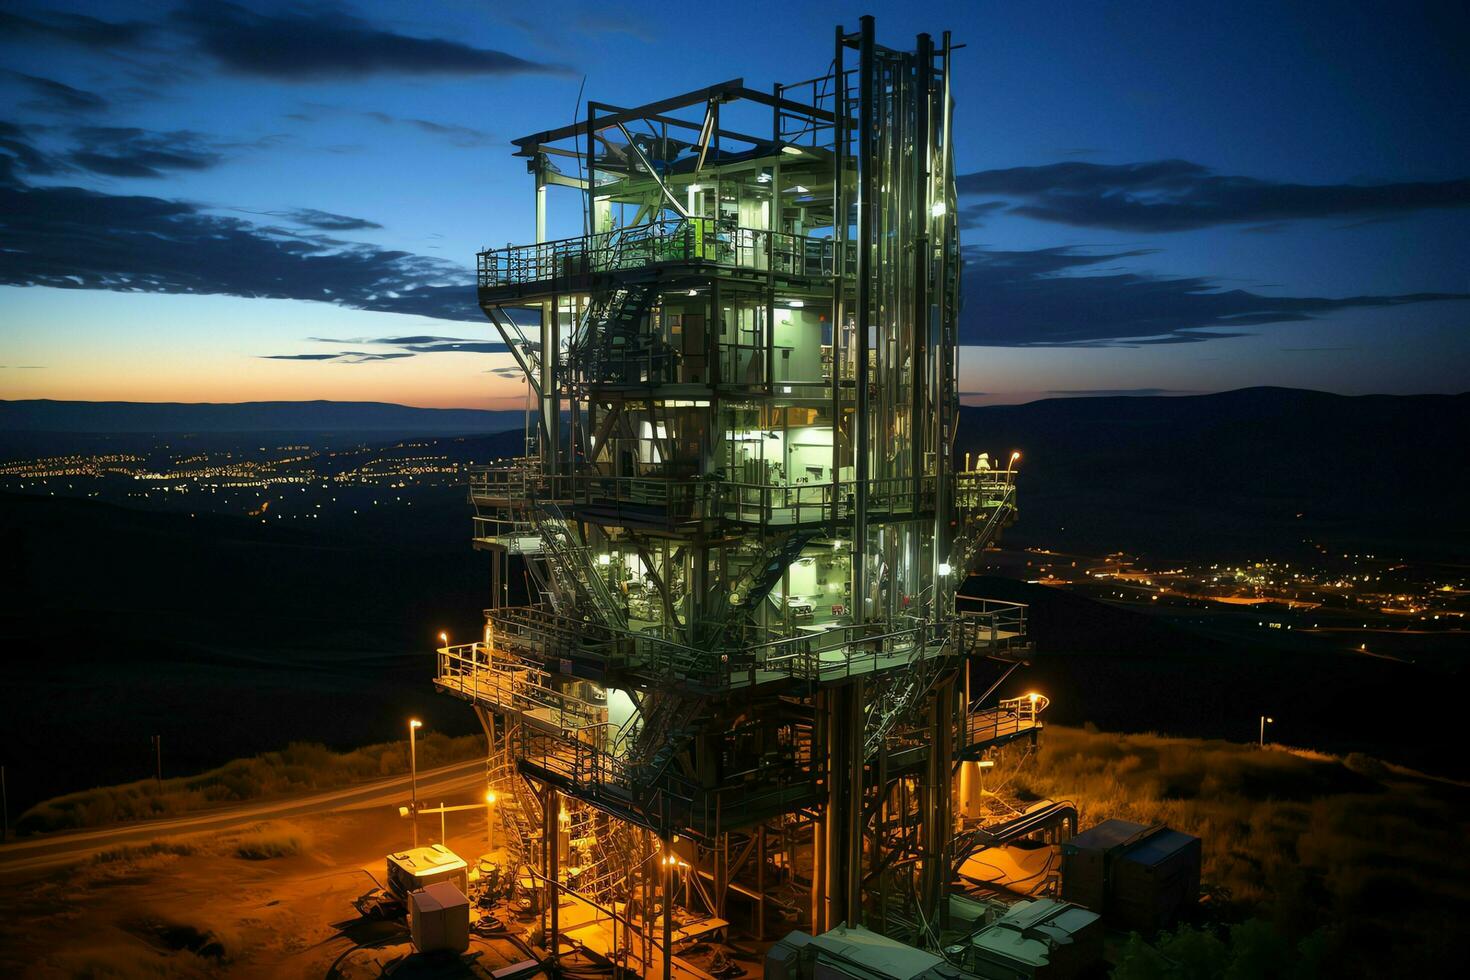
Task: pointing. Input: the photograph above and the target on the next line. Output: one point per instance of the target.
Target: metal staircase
(571, 558)
(518, 808)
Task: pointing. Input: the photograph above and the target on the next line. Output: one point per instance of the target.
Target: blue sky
(211, 202)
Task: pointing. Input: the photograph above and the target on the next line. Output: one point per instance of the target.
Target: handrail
(696, 239)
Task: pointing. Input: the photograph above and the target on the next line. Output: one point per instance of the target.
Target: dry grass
(300, 767)
(272, 840)
(1308, 842)
(136, 852)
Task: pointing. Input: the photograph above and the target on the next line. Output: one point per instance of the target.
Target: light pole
(489, 821)
(1264, 722)
(413, 780)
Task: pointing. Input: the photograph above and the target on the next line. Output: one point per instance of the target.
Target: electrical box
(439, 919)
(1138, 877)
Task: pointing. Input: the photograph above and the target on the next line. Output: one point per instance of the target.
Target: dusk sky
(210, 202)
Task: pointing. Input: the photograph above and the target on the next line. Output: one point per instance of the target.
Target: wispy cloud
(1177, 195)
(49, 95)
(117, 151)
(344, 357)
(74, 238)
(1046, 298)
(78, 29)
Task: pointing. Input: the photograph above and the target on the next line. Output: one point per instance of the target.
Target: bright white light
(604, 559)
(795, 304)
(693, 292)
(938, 209)
(792, 150)
(785, 389)
(695, 188)
(944, 568)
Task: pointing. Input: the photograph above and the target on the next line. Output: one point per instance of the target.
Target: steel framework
(744, 683)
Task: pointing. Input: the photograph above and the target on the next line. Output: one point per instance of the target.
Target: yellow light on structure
(444, 638)
(1032, 697)
(490, 797)
(1016, 455)
(415, 723)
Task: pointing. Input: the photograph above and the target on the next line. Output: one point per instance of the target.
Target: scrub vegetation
(1313, 864)
(272, 840)
(301, 767)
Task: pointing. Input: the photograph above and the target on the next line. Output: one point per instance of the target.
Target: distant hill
(1238, 473)
(45, 415)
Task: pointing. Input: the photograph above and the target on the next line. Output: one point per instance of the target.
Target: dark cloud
(309, 42)
(18, 152)
(344, 357)
(327, 221)
(1177, 195)
(423, 344)
(71, 238)
(974, 215)
(393, 341)
(116, 151)
(50, 95)
(1042, 298)
(79, 29)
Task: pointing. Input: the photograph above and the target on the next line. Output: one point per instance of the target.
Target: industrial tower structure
(742, 683)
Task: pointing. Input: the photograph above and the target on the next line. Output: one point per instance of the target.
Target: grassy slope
(300, 768)
(1370, 854)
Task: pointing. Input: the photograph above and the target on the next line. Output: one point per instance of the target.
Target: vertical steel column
(924, 65)
(864, 317)
(550, 809)
(839, 258)
(944, 357)
(844, 811)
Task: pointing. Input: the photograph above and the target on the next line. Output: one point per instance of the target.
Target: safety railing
(1010, 717)
(819, 653)
(682, 498)
(668, 240)
(991, 625)
(509, 481)
(486, 675)
(661, 795)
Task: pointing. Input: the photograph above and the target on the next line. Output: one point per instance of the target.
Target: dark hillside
(1238, 474)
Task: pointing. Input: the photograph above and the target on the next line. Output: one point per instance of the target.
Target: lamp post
(1264, 722)
(489, 821)
(413, 780)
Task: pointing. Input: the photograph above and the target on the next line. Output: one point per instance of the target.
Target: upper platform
(695, 245)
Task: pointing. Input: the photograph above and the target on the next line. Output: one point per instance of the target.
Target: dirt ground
(192, 906)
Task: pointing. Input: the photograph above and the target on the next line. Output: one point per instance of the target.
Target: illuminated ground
(211, 912)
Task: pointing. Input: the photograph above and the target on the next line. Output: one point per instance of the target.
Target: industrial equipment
(1138, 877)
(742, 678)
(417, 868)
(439, 918)
(1034, 940)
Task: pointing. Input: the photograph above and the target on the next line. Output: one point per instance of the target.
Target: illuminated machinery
(744, 680)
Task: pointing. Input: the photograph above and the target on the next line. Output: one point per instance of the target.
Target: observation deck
(707, 245)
